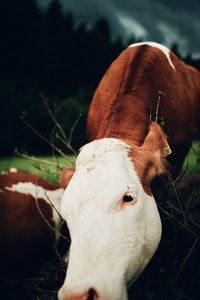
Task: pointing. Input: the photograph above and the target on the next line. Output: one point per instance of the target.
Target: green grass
(192, 161)
(48, 171)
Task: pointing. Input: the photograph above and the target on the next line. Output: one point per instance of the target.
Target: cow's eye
(128, 198)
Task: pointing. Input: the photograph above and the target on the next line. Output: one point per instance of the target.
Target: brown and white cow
(29, 218)
(108, 205)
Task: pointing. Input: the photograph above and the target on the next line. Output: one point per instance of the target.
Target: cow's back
(126, 99)
(28, 222)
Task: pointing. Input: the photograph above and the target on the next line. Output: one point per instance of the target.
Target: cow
(29, 218)
(146, 103)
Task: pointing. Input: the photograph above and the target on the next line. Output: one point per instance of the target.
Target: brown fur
(127, 96)
(9, 178)
(149, 159)
(25, 237)
(65, 176)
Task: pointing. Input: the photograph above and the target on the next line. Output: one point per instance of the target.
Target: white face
(114, 225)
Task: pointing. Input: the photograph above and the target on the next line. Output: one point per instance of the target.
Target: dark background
(45, 50)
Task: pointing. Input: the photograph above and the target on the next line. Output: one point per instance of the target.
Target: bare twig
(58, 165)
(150, 116)
(53, 142)
(45, 100)
(196, 152)
(54, 208)
(180, 177)
(175, 221)
(36, 286)
(73, 127)
(160, 94)
(67, 144)
(178, 198)
(188, 204)
(157, 108)
(47, 222)
(47, 141)
(188, 218)
(186, 258)
(57, 252)
(21, 280)
(63, 138)
(31, 157)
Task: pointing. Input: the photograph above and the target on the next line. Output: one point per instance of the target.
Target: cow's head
(112, 216)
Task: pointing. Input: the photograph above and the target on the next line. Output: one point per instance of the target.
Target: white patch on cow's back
(164, 49)
(36, 191)
(13, 170)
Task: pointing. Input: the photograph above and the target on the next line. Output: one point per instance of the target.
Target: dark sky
(164, 21)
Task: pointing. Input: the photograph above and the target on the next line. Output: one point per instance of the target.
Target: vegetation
(40, 166)
(192, 161)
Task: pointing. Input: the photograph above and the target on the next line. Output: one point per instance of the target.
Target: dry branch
(177, 197)
(186, 258)
(63, 138)
(45, 100)
(160, 94)
(47, 141)
(47, 222)
(40, 160)
(52, 205)
(177, 222)
(74, 126)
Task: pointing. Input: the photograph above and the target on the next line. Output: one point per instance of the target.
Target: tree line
(46, 51)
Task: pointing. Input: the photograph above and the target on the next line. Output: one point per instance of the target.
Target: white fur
(164, 49)
(36, 191)
(13, 170)
(110, 245)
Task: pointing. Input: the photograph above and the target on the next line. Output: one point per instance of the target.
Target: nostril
(92, 294)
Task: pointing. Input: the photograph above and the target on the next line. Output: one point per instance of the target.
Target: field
(46, 166)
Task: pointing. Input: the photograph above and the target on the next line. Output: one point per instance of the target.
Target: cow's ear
(150, 159)
(65, 177)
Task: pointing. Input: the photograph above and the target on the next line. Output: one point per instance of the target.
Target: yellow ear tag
(167, 150)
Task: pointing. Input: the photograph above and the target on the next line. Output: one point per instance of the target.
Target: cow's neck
(126, 123)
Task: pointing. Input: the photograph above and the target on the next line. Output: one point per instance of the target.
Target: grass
(192, 161)
(50, 172)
